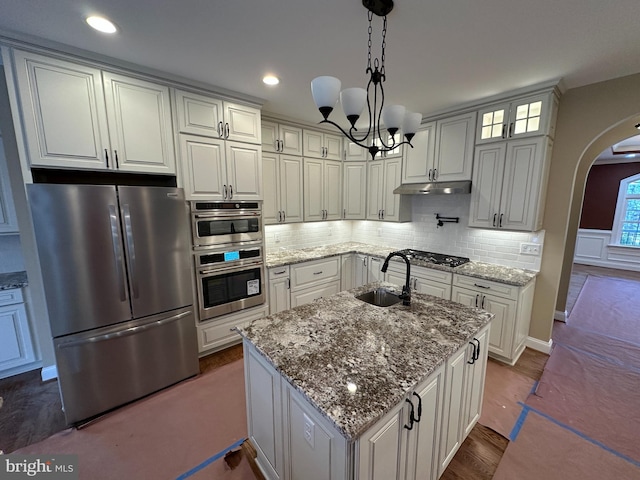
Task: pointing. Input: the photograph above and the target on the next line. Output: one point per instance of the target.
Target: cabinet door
(436, 289)
(474, 384)
(291, 180)
(244, 171)
(423, 440)
(396, 277)
(354, 194)
(332, 195)
(313, 145)
(451, 434)
(302, 297)
(361, 270)
(203, 167)
(198, 114)
(16, 347)
(530, 116)
(242, 123)
(313, 190)
(374, 273)
(333, 147)
(454, 148)
(374, 191)
(271, 209)
(62, 105)
(492, 123)
(140, 130)
(391, 201)
(347, 271)
(290, 140)
(270, 136)
(521, 183)
(382, 449)
(8, 221)
(354, 152)
(486, 187)
(418, 161)
(502, 325)
(279, 298)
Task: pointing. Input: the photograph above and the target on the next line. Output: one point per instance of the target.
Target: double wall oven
(228, 252)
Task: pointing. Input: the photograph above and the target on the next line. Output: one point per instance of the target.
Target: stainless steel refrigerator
(117, 275)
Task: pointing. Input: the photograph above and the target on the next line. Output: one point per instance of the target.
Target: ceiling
(439, 53)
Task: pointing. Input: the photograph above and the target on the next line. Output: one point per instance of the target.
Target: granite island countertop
(488, 271)
(13, 280)
(323, 346)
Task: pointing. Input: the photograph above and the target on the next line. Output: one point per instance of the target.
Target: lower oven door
(227, 290)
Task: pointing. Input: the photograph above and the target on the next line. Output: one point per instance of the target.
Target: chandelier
(326, 90)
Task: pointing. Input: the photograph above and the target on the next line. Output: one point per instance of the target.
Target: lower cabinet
(279, 289)
(293, 440)
(16, 346)
(314, 279)
(511, 306)
(423, 280)
(217, 333)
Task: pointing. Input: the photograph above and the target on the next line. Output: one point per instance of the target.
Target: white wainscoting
(593, 247)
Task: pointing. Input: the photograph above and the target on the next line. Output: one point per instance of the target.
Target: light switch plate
(309, 430)
(530, 249)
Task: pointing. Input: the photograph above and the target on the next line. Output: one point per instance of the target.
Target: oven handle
(227, 215)
(237, 268)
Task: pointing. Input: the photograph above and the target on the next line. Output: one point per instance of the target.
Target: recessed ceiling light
(101, 24)
(271, 80)
(638, 126)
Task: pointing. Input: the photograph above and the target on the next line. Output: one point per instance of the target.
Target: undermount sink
(380, 297)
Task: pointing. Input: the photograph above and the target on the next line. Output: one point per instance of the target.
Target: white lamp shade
(392, 116)
(353, 100)
(411, 122)
(325, 91)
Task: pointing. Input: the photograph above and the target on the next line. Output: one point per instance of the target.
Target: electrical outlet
(309, 430)
(380, 232)
(330, 231)
(530, 249)
(276, 237)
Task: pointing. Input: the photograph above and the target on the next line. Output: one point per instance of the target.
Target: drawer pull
(481, 286)
(317, 273)
(280, 273)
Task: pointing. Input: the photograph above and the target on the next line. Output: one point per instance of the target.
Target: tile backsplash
(11, 259)
(492, 246)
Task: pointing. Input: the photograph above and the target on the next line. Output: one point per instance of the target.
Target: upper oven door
(211, 229)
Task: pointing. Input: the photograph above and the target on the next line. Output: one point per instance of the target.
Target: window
(626, 224)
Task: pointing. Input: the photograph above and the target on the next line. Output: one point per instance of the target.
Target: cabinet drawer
(487, 286)
(317, 271)
(423, 273)
(10, 297)
(217, 333)
(278, 272)
(308, 295)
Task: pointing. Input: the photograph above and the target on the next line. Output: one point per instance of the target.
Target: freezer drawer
(108, 367)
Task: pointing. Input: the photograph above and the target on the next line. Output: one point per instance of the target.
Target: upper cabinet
(530, 116)
(281, 138)
(354, 192)
(322, 190)
(442, 151)
(8, 222)
(76, 116)
(355, 153)
(322, 145)
(282, 182)
(211, 117)
(509, 180)
(383, 177)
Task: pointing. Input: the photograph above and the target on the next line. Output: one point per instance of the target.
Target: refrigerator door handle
(132, 253)
(123, 333)
(117, 252)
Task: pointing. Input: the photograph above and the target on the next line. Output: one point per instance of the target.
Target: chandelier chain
(384, 44)
(369, 45)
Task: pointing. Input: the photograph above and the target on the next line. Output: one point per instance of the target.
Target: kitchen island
(341, 389)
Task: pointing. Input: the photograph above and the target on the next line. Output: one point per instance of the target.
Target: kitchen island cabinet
(331, 386)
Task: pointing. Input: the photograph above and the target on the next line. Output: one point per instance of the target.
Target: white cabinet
(443, 151)
(282, 186)
(16, 346)
(314, 279)
(423, 280)
(76, 116)
(322, 145)
(354, 195)
(383, 177)
(217, 170)
(355, 153)
(199, 114)
(396, 152)
(322, 190)
(509, 184)
(524, 117)
(366, 269)
(465, 371)
(217, 334)
(281, 138)
(512, 309)
(8, 221)
(279, 289)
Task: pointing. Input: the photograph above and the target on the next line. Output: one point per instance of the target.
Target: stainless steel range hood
(434, 188)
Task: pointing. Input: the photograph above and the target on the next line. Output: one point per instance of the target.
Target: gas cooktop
(436, 258)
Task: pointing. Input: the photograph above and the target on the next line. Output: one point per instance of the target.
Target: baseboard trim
(560, 316)
(539, 345)
(49, 373)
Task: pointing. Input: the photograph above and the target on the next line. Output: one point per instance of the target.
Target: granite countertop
(488, 271)
(323, 346)
(13, 280)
